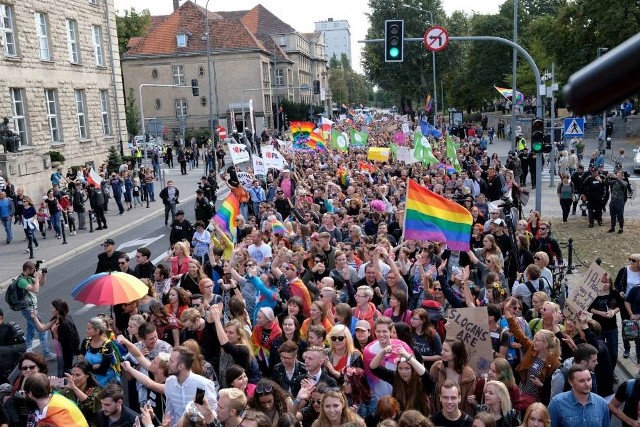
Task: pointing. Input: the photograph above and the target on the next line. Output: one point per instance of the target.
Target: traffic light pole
(536, 73)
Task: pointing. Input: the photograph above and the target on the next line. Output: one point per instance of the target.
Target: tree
(344, 61)
(132, 24)
(338, 86)
(132, 115)
(114, 160)
(333, 62)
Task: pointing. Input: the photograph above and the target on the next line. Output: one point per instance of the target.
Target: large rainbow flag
(304, 137)
(430, 216)
(63, 412)
(507, 94)
(226, 216)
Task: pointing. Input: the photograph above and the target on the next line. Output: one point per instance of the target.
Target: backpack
(118, 351)
(436, 317)
(525, 306)
(16, 297)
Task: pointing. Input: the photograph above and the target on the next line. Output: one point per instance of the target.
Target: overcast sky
(299, 15)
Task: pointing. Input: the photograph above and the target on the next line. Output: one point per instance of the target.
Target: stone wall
(633, 126)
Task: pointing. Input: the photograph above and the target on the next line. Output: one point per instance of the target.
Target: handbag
(630, 330)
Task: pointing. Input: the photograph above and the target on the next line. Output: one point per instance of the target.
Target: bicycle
(560, 286)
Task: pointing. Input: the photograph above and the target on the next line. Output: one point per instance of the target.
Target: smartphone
(199, 396)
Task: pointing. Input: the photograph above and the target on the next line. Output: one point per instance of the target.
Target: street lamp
(433, 57)
(210, 119)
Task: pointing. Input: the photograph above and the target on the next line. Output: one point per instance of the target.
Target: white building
(337, 37)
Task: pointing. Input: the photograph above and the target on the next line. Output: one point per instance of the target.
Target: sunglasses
(633, 260)
(437, 289)
(264, 389)
(543, 228)
(334, 339)
(314, 401)
(28, 367)
(536, 258)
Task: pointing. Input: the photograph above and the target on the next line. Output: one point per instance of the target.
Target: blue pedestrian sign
(574, 126)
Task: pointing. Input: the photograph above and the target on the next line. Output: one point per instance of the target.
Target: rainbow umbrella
(109, 289)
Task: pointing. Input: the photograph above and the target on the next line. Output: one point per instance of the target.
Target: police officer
(594, 189)
(205, 187)
(181, 229)
(618, 193)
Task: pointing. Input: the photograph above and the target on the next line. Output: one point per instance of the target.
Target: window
(200, 71)
(203, 101)
(96, 35)
(178, 75)
(43, 36)
(182, 40)
(7, 30)
(93, 2)
(181, 107)
(154, 74)
(51, 99)
(280, 77)
(81, 110)
(158, 104)
(19, 118)
(104, 112)
(72, 41)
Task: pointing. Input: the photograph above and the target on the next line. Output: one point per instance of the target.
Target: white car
(636, 159)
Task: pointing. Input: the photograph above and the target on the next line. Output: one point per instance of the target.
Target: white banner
(259, 167)
(245, 179)
(272, 158)
(405, 154)
(239, 153)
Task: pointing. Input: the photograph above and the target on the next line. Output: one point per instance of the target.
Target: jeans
(616, 210)
(611, 339)
(8, 227)
(244, 210)
(55, 222)
(169, 207)
(150, 194)
(31, 332)
(118, 198)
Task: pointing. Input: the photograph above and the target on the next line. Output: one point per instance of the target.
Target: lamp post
(211, 127)
(433, 63)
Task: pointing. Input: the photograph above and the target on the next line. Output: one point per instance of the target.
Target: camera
(38, 263)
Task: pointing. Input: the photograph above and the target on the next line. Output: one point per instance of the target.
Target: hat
(199, 191)
(315, 236)
(179, 212)
(1, 312)
(268, 313)
(108, 242)
(499, 221)
(363, 324)
(325, 235)
(593, 169)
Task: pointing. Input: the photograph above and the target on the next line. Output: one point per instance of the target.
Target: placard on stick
(471, 326)
(585, 293)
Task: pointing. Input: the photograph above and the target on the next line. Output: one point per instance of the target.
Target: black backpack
(525, 307)
(16, 297)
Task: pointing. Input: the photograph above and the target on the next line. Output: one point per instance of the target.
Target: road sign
(222, 133)
(436, 38)
(574, 126)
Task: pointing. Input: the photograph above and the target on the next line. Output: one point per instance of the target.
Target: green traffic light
(394, 52)
(536, 147)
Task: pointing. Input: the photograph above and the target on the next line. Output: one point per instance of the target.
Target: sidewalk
(54, 252)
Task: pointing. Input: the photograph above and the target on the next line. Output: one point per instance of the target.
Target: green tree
(344, 62)
(333, 62)
(132, 24)
(114, 160)
(132, 115)
(338, 86)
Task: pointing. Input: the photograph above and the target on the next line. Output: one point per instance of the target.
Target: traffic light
(537, 136)
(316, 87)
(393, 40)
(546, 146)
(195, 90)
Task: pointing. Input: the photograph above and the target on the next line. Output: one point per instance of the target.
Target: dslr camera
(38, 263)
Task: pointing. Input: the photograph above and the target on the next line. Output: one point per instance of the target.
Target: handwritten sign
(471, 326)
(585, 293)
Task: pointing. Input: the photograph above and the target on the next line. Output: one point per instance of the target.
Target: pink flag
(399, 138)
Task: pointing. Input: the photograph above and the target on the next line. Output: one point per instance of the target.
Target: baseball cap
(108, 242)
(199, 191)
(363, 324)
(315, 236)
(179, 212)
(499, 222)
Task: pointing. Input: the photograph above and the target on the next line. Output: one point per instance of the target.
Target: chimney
(176, 5)
(330, 19)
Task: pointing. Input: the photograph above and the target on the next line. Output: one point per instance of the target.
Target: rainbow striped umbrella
(109, 289)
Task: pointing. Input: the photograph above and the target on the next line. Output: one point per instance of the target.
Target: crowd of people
(334, 318)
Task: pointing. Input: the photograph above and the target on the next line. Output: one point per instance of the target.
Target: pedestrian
(42, 217)
(55, 213)
(30, 281)
(77, 202)
(204, 210)
(6, 215)
(108, 259)
(579, 406)
(135, 192)
(71, 218)
(52, 409)
(113, 411)
(116, 191)
(30, 221)
(128, 187)
(565, 192)
(96, 200)
(182, 159)
(593, 189)
(148, 183)
(170, 198)
(618, 197)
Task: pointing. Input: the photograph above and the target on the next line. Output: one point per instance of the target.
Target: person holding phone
(81, 387)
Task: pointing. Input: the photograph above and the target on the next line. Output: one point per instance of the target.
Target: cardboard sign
(581, 297)
(246, 179)
(471, 326)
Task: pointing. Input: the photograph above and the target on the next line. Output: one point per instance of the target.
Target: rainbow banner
(226, 216)
(278, 228)
(430, 216)
(507, 94)
(301, 131)
(63, 412)
(304, 137)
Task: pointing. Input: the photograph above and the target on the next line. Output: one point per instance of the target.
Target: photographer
(618, 186)
(29, 282)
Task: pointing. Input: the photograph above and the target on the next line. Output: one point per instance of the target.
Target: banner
(584, 293)
(405, 154)
(239, 153)
(379, 154)
(258, 166)
(245, 179)
(272, 158)
(471, 326)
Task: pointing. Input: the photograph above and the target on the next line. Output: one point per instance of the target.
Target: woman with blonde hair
(200, 365)
(491, 264)
(497, 403)
(342, 352)
(334, 411)
(540, 360)
(179, 258)
(489, 247)
(537, 415)
(550, 316)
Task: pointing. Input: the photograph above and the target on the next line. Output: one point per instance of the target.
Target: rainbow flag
(278, 228)
(507, 94)
(430, 216)
(226, 216)
(63, 412)
(301, 131)
(428, 103)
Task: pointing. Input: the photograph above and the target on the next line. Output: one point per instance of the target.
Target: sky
(298, 14)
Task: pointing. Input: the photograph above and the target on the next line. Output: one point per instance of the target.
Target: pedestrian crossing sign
(574, 126)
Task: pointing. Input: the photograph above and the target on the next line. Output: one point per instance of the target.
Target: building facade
(253, 61)
(337, 37)
(60, 73)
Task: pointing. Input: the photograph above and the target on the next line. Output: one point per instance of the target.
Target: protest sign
(273, 159)
(239, 153)
(586, 291)
(245, 179)
(471, 326)
(258, 166)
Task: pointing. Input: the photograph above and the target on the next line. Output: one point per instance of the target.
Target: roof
(312, 36)
(259, 20)
(226, 34)
(270, 44)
